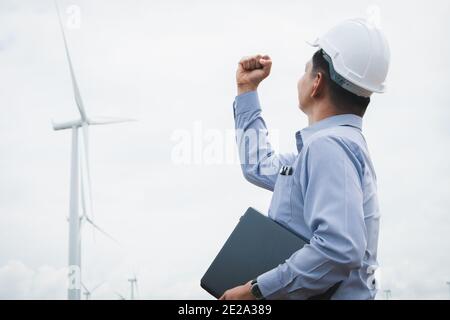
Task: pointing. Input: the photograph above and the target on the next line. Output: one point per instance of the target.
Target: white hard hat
(360, 56)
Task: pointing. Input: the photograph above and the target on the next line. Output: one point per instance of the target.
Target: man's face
(304, 87)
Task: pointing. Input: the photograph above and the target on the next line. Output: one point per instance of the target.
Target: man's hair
(342, 99)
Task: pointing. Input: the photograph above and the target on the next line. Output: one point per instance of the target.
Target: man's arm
(260, 164)
(334, 211)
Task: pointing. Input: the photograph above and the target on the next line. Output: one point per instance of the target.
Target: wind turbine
(134, 285)
(80, 181)
(87, 293)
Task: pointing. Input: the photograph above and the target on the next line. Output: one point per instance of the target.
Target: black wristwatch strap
(256, 292)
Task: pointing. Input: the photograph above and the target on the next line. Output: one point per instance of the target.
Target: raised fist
(251, 71)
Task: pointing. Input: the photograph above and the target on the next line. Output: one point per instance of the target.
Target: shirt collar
(335, 121)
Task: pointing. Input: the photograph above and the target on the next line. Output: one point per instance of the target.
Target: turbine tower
(80, 181)
(133, 286)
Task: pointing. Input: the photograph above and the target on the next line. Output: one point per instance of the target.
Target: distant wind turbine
(80, 181)
(87, 293)
(133, 286)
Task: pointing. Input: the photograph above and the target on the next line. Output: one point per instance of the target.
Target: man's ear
(318, 85)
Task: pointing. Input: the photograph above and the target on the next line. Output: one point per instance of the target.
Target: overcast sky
(171, 65)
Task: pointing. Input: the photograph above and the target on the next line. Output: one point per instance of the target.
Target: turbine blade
(87, 169)
(76, 90)
(83, 198)
(84, 287)
(121, 297)
(101, 230)
(97, 286)
(87, 174)
(109, 120)
(83, 194)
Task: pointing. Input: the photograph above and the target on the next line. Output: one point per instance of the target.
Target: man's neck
(321, 112)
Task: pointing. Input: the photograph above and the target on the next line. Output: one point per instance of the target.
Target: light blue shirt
(326, 192)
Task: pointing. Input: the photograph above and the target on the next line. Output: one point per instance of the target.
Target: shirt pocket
(280, 206)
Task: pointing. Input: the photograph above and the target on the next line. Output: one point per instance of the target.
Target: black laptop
(257, 244)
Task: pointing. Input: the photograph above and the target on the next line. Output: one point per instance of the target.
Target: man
(326, 192)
